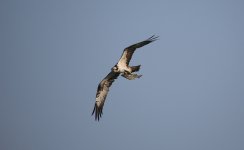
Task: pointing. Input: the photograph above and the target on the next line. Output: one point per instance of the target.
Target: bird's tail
(135, 68)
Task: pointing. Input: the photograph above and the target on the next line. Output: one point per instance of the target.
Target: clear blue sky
(54, 53)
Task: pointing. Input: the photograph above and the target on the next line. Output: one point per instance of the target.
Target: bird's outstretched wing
(102, 92)
(128, 52)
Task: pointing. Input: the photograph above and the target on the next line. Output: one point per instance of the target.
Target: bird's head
(115, 69)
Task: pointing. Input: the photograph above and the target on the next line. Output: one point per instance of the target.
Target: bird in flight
(123, 68)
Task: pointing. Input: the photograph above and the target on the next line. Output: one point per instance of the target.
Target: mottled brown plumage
(128, 52)
(102, 92)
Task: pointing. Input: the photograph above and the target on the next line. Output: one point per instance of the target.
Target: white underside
(122, 68)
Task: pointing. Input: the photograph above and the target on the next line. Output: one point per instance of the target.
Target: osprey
(122, 67)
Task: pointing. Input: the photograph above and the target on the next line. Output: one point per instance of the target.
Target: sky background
(54, 53)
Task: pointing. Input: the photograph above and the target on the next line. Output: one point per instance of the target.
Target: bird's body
(122, 67)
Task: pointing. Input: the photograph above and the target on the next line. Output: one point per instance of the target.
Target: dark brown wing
(128, 52)
(102, 92)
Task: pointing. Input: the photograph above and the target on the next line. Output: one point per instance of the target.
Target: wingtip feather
(153, 38)
(97, 111)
